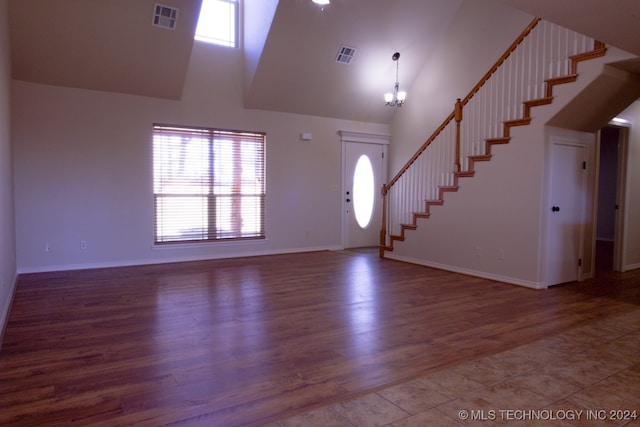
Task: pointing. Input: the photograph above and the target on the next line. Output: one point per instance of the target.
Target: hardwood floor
(604, 256)
(250, 341)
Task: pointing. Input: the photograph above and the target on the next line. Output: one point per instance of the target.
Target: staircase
(542, 57)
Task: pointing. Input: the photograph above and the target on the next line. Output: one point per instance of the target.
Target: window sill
(208, 244)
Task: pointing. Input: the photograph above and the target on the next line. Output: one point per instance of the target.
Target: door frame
(358, 137)
(620, 246)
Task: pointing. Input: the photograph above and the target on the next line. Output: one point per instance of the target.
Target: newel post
(458, 118)
(383, 230)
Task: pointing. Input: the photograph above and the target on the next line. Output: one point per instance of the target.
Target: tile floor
(587, 376)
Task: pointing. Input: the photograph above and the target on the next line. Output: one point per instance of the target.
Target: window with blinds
(208, 184)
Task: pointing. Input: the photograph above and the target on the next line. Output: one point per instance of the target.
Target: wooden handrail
(444, 124)
(466, 99)
(499, 62)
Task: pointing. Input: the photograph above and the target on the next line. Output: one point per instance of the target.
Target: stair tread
(518, 122)
(499, 140)
(528, 105)
(540, 101)
(596, 53)
(568, 77)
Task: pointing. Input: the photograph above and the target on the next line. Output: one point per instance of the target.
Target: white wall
(83, 165)
(632, 208)
(479, 35)
(479, 229)
(7, 234)
(83, 169)
(473, 221)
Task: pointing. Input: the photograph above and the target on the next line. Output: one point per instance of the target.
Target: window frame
(214, 178)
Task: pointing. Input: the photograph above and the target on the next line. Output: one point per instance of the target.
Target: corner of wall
(4, 315)
(8, 268)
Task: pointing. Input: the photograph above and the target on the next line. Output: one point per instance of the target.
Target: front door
(362, 197)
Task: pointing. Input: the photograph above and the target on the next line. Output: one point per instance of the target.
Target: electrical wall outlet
(83, 244)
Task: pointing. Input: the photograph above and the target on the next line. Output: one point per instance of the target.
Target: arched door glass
(363, 191)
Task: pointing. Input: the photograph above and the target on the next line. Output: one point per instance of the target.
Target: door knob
(348, 200)
(555, 208)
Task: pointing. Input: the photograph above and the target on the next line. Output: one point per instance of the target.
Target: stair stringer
(492, 227)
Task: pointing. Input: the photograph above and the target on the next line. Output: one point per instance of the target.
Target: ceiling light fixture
(322, 2)
(396, 99)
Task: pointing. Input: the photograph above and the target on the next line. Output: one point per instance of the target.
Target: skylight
(217, 23)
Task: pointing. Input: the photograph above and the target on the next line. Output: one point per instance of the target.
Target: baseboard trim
(631, 267)
(87, 266)
(6, 310)
(468, 272)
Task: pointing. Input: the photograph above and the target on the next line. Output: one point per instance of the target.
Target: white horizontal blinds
(238, 185)
(208, 184)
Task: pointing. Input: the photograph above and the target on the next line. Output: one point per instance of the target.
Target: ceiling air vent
(346, 54)
(165, 16)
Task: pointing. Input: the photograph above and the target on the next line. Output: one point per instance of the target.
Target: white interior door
(362, 197)
(566, 212)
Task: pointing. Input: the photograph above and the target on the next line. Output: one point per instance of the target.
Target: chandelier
(395, 99)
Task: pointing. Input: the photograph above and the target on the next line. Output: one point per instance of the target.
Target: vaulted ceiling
(298, 70)
(616, 23)
(110, 45)
(107, 45)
